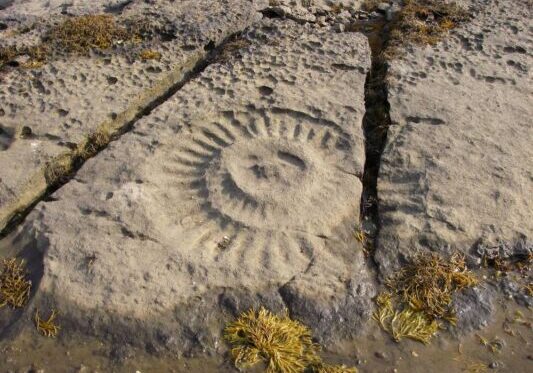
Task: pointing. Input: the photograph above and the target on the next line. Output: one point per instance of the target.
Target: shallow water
(376, 352)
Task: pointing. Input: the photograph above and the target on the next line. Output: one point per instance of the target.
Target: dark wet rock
(351, 308)
(121, 353)
(474, 308)
(515, 290)
(519, 249)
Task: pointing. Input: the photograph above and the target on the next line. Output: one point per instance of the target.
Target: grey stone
(474, 308)
(390, 13)
(5, 3)
(240, 190)
(345, 14)
(457, 164)
(296, 13)
(496, 365)
(70, 97)
(83, 369)
(383, 7)
(514, 290)
(312, 11)
(522, 248)
(281, 10)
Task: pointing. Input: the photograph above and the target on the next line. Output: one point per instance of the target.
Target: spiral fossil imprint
(278, 174)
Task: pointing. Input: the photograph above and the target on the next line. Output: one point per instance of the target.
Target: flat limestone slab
(457, 167)
(70, 97)
(243, 189)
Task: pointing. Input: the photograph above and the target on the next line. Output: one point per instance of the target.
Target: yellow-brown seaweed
(282, 344)
(48, 328)
(428, 283)
(14, 286)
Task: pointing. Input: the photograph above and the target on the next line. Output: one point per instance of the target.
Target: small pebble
(383, 7)
(83, 369)
(495, 365)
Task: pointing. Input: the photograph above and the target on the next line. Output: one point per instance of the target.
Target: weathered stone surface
(68, 98)
(330, 14)
(457, 165)
(241, 190)
(38, 8)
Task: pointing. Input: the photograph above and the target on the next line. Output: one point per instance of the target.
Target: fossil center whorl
(263, 169)
(272, 182)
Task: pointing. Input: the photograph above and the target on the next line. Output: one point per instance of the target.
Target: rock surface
(335, 15)
(38, 8)
(457, 164)
(242, 189)
(69, 97)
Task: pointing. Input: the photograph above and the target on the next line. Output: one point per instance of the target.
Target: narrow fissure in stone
(376, 120)
(56, 174)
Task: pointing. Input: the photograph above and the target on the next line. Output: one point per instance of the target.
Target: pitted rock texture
(457, 164)
(69, 97)
(241, 190)
(37, 8)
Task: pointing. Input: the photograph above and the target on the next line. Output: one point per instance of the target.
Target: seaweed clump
(370, 5)
(426, 21)
(36, 56)
(7, 54)
(282, 344)
(149, 54)
(420, 295)
(429, 283)
(232, 49)
(83, 33)
(326, 368)
(48, 328)
(75, 35)
(14, 285)
(420, 22)
(59, 169)
(405, 323)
